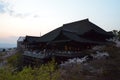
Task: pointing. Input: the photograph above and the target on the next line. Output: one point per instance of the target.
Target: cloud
(16, 8)
(2, 8)
(7, 6)
(20, 15)
(36, 16)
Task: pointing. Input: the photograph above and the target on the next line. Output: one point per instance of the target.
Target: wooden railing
(46, 54)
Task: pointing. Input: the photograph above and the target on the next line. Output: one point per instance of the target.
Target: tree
(115, 32)
(44, 72)
(119, 35)
(4, 50)
(6, 73)
(15, 60)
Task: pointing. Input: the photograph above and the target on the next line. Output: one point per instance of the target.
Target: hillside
(100, 67)
(100, 63)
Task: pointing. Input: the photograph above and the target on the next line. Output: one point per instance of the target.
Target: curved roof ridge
(87, 19)
(97, 28)
(32, 36)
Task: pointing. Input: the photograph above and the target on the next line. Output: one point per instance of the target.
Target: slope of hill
(106, 67)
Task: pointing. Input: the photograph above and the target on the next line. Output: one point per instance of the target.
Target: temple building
(20, 44)
(69, 38)
(72, 36)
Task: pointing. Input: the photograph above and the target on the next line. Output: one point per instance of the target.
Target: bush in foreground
(45, 72)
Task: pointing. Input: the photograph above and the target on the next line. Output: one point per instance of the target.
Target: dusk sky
(32, 17)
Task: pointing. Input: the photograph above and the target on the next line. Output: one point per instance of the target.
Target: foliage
(116, 33)
(14, 60)
(4, 50)
(96, 69)
(101, 69)
(44, 72)
(119, 35)
(1, 56)
(6, 73)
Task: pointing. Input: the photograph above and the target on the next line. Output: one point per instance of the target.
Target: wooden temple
(66, 41)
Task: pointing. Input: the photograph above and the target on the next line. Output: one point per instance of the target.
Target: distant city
(7, 45)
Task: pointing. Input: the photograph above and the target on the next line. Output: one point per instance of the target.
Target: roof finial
(87, 19)
(40, 34)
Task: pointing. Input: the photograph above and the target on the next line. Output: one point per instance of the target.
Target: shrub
(44, 72)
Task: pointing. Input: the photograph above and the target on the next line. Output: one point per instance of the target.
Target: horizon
(7, 45)
(37, 17)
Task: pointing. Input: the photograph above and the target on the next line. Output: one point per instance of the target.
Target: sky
(35, 17)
